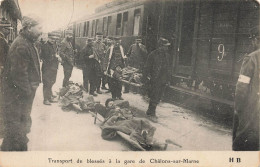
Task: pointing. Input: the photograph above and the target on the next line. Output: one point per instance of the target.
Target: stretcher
(125, 137)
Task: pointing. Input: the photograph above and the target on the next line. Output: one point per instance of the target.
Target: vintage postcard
(129, 83)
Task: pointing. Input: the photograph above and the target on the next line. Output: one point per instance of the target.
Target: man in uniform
(247, 104)
(49, 68)
(99, 49)
(137, 55)
(156, 76)
(67, 56)
(21, 78)
(109, 42)
(5, 27)
(116, 60)
(89, 70)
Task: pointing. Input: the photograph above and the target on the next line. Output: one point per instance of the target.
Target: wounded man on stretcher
(118, 118)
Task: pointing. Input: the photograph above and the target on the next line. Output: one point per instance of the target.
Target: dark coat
(137, 56)
(157, 67)
(99, 49)
(247, 107)
(85, 53)
(4, 47)
(66, 52)
(92, 63)
(50, 62)
(22, 75)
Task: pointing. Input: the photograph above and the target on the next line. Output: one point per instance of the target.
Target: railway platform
(56, 130)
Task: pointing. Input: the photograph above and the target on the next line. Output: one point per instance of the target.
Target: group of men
(106, 63)
(21, 75)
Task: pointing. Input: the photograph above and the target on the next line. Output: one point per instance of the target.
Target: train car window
(118, 23)
(109, 23)
(125, 20)
(84, 29)
(97, 26)
(77, 34)
(81, 30)
(87, 29)
(137, 19)
(93, 28)
(105, 26)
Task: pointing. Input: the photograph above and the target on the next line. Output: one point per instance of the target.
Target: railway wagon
(209, 38)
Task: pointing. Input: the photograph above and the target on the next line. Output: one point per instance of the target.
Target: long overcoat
(50, 62)
(21, 76)
(156, 74)
(247, 107)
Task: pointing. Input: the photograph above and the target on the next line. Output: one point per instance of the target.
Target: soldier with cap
(50, 65)
(156, 75)
(109, 42)
(247, 103)
(137, 55)
(21, 78)
(99, 49)
(67, 55)
(116, 60)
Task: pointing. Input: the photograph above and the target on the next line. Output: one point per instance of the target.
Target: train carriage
(209, 38)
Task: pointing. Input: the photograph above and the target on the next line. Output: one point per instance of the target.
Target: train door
(186, 24)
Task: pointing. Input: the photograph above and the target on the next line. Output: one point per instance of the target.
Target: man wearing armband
(247, 107)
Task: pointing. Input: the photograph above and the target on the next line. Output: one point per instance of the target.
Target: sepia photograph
(129, 76)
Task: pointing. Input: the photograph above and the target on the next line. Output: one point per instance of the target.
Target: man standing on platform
(137, 55)
(156, 75)
(99, 49)
(247, 103)
(67, 56)
(116, 62)
(21, 78)
(49, 68)
(89, 70)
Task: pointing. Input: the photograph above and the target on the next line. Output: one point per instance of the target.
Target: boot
(151, 109)
(93, 94)
(151, 112)
(99, 92)
(120, 98)
(46, 102)
(104, 88)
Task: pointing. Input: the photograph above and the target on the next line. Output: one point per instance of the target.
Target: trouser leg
(67, 74)
(85, 78)
(47, 91)
(92, 87)
(98, 82)
(104, 81)
(118, 89)
(18, 122)
(155, 95)
(126, 88)
(112, 88)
